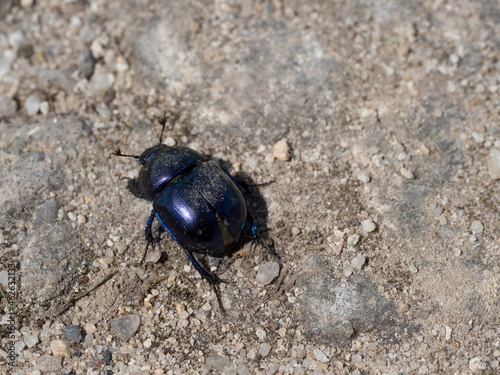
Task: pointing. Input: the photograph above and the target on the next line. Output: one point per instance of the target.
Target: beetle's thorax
(161, 164)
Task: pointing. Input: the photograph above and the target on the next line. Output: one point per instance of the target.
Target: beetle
(196, 201)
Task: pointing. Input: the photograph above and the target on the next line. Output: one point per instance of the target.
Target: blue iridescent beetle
(197, 202)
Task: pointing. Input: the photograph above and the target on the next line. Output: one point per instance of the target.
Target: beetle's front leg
(149, 235)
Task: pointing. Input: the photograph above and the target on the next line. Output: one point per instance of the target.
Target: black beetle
(196, 201)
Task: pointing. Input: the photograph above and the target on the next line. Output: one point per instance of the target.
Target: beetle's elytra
(196, 201)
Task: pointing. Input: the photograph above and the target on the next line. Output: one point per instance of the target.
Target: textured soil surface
(371, 127)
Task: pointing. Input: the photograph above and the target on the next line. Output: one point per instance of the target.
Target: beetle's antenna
(163, 122)
(118, 152)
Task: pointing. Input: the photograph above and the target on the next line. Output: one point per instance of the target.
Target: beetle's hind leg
(256, 238)
(149, 235)
(212, 279)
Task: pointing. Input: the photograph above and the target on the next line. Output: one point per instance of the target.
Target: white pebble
(358, 261)
(477, 226)
(320, 356)
(407, 173)
(368, 225)
(493, 164)
(364, 177)
(353, 239)
(32, 104)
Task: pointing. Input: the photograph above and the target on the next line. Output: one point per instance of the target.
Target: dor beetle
(196, 201)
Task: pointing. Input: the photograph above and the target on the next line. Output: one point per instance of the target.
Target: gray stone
(358, 261)
(8, 106)
(493, 164)
(99, 84)
(73, 333)
(48, 273)
(55, 80)
(125, 326)
(49, 363)
(477, 226)
(87, 64)
(218, 362)
(368, 225)
(47, 213)
(268, 272)
(264, 349)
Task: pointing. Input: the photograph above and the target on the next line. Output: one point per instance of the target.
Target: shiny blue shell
(197, 202)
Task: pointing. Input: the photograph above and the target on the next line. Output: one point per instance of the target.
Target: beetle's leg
(212, 279)
(149, 235)
(253, 227)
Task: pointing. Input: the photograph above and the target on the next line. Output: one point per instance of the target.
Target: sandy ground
(376, 124)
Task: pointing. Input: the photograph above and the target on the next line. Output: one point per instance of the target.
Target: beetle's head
(149, 153)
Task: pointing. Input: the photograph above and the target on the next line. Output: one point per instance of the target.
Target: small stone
(147, 344)
(4, 66)
(125, 326)
(31, 340)
(265, 348)
(26, 3)
(61, 348)
(353, 239)
(448, 331)
(474, 363)
(73, 333)
(32, 104)
(8, 106)
(406, 173)
(320, 356)
(364, 177)
(358, 261)
(81, 219)
(493, 163)
(477, 226)
(261, 334)
(281, 150)
(44, 107)
(49, 363)
(424, 150)
(90, 328)
(100, 84)
(87, 64)
(268, 272)
(478, 137)
(413, 268)
(55, 80)
(368, 225)
(457, 252)
(401, 155)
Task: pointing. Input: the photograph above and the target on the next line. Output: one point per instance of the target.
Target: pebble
(26, 3)
(90, 328)
(73, 333)
(4, 278)
(358, 261)
(44, 107)
(4, 66)
(261, 333)
(368, 225)
(406, 173)
(87, 64)
(478, 137)
(31, 340)
(54, 80)
(457, 252)
(413, 268)
(264, 349)
(49, 363)
(32, 104)
(353, 239)
(100, 84)
(61, 348)
(268, 272)
(8, 106)
(364, 177)
(493, 163)
(477, 226)
(125, 326)
(281, 150)
(320, 356)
